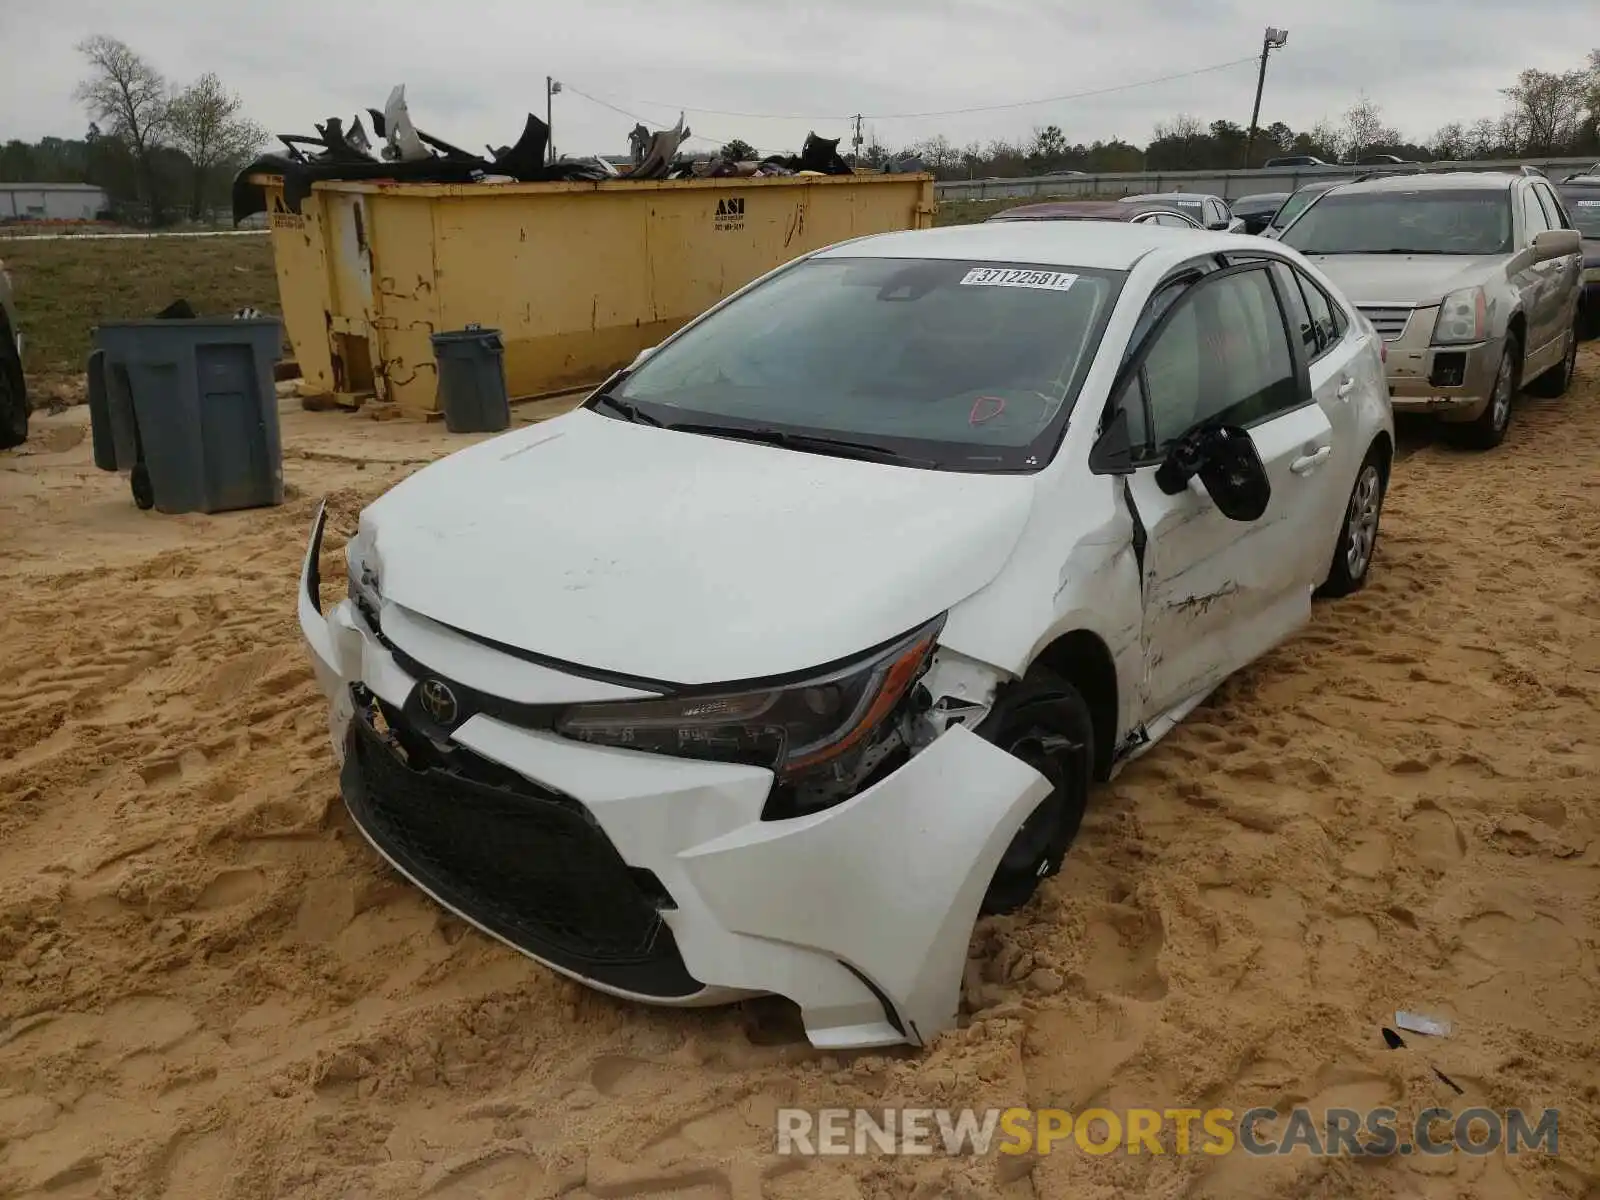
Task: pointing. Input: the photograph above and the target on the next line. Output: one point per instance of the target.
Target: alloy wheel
(1502, 394)
(1362, 521)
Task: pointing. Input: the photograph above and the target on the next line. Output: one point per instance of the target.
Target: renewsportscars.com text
(1335, 1132)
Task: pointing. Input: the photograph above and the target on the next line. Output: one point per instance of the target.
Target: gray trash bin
(472, 380)
(203, 409)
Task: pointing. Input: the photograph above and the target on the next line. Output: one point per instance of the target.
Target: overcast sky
(473, 70)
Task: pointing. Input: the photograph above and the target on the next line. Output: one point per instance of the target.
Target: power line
(950, 112)
(1106, 91)
(693, 137)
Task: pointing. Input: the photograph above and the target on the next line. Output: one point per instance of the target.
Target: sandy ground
(210, 987)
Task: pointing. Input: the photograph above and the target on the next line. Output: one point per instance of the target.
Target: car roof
(1172, 196)
(1260, 198)
(1083, 210)
(1097, 245)
(1443, 181)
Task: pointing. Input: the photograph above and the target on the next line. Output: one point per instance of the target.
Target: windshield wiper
(626, 410)
(814, 443)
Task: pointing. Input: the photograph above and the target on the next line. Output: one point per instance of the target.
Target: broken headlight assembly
(812, 727)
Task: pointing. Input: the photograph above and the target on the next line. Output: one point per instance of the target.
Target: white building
(50, 201)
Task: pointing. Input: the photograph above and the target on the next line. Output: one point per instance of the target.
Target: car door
(1542, 293)
(1217, 592)
(1339, 371)
(1569, 285)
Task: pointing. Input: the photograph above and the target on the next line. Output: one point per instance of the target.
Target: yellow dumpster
(578, 277)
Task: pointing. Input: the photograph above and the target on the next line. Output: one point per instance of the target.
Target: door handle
(1345, 388)
(1309, 463)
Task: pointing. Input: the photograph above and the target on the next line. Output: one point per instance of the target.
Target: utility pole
(1273, 39)
(551, 87)
(857, 142)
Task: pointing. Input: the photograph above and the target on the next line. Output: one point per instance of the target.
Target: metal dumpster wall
(577, 277)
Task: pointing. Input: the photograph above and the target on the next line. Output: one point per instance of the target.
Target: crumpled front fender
(889, 882)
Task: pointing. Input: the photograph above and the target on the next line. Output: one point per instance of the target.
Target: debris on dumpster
(409, 154)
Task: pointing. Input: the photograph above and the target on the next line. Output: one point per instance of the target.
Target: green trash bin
(204, 411)
(472, 380)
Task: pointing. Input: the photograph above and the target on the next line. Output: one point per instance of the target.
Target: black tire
(1044, 721)
(144, 495)
(1489, 430)
(1358, 536)
(13, 396)
(1554, 383)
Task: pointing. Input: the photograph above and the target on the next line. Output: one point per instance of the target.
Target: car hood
(683, 558)
(1406, 278)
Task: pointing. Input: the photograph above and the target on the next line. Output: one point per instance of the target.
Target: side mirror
(1229, 466)
(1556, 243)
(1112, 453)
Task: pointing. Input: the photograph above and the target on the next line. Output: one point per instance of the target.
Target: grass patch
(63, 289)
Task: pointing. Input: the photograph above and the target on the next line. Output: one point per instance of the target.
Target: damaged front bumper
(655, 878)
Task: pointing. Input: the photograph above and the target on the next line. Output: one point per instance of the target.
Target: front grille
(528, 865)
(1389, 322)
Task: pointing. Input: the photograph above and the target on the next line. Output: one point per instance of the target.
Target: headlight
(1463, 317)
(795, 729)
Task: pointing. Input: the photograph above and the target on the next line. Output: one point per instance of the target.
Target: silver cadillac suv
(1473, 279)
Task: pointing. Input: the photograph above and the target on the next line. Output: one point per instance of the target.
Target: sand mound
(210, 987)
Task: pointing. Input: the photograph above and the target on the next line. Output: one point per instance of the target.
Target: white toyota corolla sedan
(800, 643)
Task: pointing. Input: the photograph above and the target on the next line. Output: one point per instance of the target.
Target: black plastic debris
(407, 154)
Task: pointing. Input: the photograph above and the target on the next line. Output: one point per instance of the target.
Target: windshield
(1583, 206)
(1406, 222)
(1295, 205)
(965, 365)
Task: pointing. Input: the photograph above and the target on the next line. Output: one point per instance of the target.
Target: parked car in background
(641, 740)
(1295, 160)
(13, 384)
(1297, 204)
(1100, 210)
(1472, 278)
(1257, 211)
(1378, 160)
(1580, 195)
(1211, 212)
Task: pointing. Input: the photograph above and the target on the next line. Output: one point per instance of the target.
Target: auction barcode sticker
(1049, 281)
(1589, 203)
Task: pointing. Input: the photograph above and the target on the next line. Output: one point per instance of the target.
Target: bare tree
(1327, 138)
(1550, 107)
(1183, 127)
(1364, 129)
(206, 125)
(1450, 143)
(129, 97)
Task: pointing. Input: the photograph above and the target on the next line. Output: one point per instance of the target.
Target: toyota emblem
(438, 701)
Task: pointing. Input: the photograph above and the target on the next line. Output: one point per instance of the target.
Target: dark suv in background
(13, 386)
(1580, 194)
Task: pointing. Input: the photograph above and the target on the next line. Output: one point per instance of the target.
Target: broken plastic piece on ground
(1392, 1039)
(1422, 1023)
